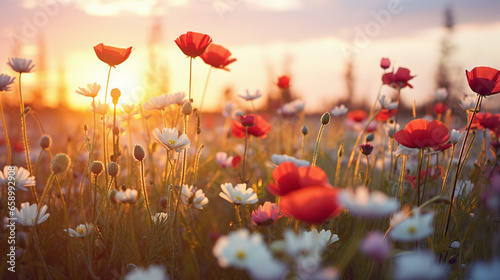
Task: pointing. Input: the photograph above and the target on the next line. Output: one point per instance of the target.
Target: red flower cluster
(399, 79)
(305, 193)
(485, 120)
(193, 44)
(420, 133)
(217, 56)
(255, 124)
(484, 80)
(112, 55)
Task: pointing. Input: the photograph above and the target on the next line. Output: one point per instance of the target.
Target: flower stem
(25, 136)
(183, 175)
(243, 177)
(302, 146)
(238, 215)
(7, 141)
(445, 179)
(367, 170)
(419, 169)
(107, 83)
(190, 77)
(452, 196)
(104, 148)
(316, 148)
(145, 191)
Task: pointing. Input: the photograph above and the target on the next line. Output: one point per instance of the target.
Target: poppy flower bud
(139, 153)
(325, 119)
(305, 130)
(115, 94)
(96, 167)
(247, 120)
(370, 137)
(113, 169)
(341, 151)
(385, 63)
(187, 108)
(85, 127)
(45, 141)
(60, 163)
(284, 82)
(116, 130)
(366, 149)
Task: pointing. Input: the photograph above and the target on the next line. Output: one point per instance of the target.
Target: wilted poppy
(193, 44)
(420, 133)
(399, 79)
(217, 56)
(283, 82)
(112, 55)
(289, 177)
(260, 129)
(484, 80)
(485, 120)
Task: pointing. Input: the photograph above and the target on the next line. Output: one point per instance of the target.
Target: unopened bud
(341, 151)
(139, 153)
(45, 141)
(85, 127)
(370, 137)
(113, 169)
(187, 108)
(305, 130)
(60, 163)
(116, 130)
(325, 119)
(96, 167)
(115, 94)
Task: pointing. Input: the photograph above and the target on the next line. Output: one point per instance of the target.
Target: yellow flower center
(412, 229)
(80, 230)
(240, 255)
(238, 198)
(172, 142)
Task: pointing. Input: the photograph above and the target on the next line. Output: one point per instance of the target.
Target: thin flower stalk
(25, 136)
(325, 119)
(419, 169)
(6, 134)
(445, 179)
(197, 163)
(401, 181)
(302, 145)
(243, 174)
(457, 171)
(105, 161)
(145, 191)
(183, 175)
(339, 164)
(367, 175)
(426, 175)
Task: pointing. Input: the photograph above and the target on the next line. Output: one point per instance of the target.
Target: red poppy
(236, 160)
(284, 82)
(399, 79)
(440, 108)
(421, 134)
(305, 192)
(260, 129)
(484, 80)
(217, 56)
(485, 120)
(386, 114)
(289, 177)
(385, 63)
(193, 44)
(248, 120)
(313, 205)
(112, 55)
(357, 115)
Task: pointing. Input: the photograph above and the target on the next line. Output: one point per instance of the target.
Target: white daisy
(365, 204)
(338, 111)
(322, 238)
(468, 102)
(81, 230)
(239, 195)
(27, 215)
(481, 270)
(160, 218)
(153, 272)
(91, 91)
(278, 159)
(440, 94)
(21, 65)
(418, 265)
(99, 108)
(157, 102)
(386, 103)
(177, 98)
(6, 82)
(292, 108)
(455, 136)
(249, 97)
(413, 228)
(191, 197)
(223, 160)
(22, 178)
(170, 139)
(126, 196)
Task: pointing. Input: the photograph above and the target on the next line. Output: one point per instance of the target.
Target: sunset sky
(309, 40)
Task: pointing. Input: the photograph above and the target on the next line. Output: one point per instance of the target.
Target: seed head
(96, 167)
(45, 141)
(325, 119)
(139, 153)
(113, 169)
(187, 108)
(60, 163)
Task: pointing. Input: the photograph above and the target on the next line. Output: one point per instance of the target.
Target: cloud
(114, 7)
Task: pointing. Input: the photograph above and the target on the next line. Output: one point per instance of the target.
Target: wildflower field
(162, 190)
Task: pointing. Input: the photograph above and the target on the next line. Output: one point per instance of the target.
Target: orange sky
(305, 39)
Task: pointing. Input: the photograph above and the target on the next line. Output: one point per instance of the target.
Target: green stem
(243, 175)
(443, 188)
(205, 89)
(145, 191)
(316, 148)
(419, 169)
(367, 170)
(452, 195)
(25, 136)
